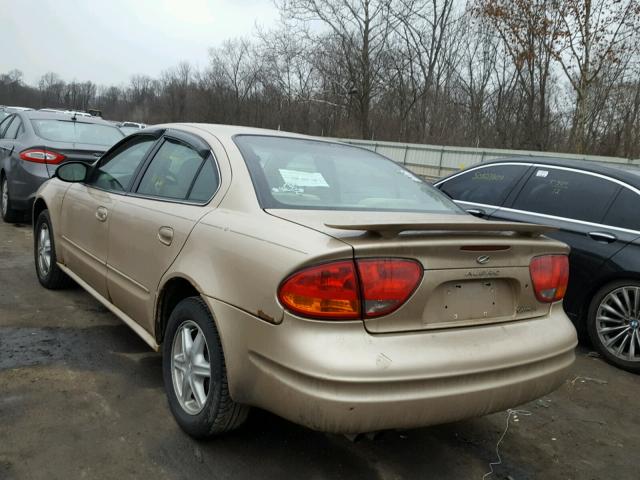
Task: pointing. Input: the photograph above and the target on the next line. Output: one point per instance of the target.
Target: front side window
(488, 185)
(171, 172)
(624, 211)
(567, 194)
(311, 174)
(117, 170)
(77, 132)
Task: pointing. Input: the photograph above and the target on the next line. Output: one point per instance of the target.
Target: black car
(596, 209)
(33, 144)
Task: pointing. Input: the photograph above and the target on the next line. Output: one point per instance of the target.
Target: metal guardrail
(435, 161)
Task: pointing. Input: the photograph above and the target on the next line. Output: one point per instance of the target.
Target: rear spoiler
(392, 229)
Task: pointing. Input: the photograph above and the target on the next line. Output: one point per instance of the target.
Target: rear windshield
(77, 132)
(309, 174)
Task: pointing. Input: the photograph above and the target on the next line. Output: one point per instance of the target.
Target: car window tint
(566, 194)
(116, 172)
(171, 172)
(489, 185)
(624, 211)
(206, 183)
(11, 130)
(311, 174)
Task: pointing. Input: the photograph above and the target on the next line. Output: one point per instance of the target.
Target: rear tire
(9, 214)
(613, 324)
(44, 252)
(195, 374)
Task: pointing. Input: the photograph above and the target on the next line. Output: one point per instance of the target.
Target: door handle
(101, 214)
(602, 237)
(165, 235)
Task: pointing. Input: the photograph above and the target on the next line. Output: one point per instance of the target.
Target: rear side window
(624, 212)
(206, 183)
(568, 194)
(171, 172)
(310, 174)
(12, 131)
(77, 132)
(488, 185)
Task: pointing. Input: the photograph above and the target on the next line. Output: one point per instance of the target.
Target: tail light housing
(41, 155)
(550, 277)
(349, 290)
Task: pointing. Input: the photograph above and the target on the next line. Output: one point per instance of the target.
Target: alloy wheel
(44, 250)
(618, 323)
(190, 367)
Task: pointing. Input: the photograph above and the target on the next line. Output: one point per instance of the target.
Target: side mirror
(72, 172)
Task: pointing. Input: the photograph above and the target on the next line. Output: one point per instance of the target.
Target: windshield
(310, 174)
(77, 132)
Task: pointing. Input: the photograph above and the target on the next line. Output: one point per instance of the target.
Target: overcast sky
(107, 41)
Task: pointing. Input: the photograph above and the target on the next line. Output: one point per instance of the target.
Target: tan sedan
(319, 281)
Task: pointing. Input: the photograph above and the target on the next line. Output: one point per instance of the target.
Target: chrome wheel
(190, 367)
(44, 250)
(5, 197)
(618, 323)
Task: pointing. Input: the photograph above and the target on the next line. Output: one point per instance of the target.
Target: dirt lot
(81, 397)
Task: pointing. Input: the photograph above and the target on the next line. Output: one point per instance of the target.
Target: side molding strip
(142, 333)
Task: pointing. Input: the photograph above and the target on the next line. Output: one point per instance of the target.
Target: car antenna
(73, 117)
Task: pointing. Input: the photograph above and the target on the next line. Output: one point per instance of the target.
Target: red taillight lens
(38, 155)
(335, 291)
(550, 277)
(328, 291)
(387, 283)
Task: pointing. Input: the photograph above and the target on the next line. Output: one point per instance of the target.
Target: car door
(8, 130)
(87, 207)
(575, 202)
(150, 226)
(482, 190)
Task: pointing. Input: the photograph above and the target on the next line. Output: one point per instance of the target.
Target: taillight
(336, 291)
(327, 291)
(550, 277)
(39, 155)
(387, 283)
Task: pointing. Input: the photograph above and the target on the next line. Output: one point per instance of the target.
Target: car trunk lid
(74, 152)
(476, 271)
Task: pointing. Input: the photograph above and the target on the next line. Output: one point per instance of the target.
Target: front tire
(9, 214)
(195, 374)
(44, 252)
(613, 324)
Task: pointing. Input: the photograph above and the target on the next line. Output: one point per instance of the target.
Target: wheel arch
(596, 286)
(39, 205)
(172, 291)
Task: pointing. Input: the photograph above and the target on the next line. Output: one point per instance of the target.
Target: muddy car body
(308, 294)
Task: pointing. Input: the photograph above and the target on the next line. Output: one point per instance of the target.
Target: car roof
(623, 172)
(40, 115)
(228, 131)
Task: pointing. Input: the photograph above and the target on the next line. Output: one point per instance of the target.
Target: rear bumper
(337, 377)
(25, 183)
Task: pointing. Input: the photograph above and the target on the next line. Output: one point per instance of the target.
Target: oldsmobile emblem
(482, 259)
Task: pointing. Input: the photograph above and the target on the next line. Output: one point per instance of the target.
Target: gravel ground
(81, 397)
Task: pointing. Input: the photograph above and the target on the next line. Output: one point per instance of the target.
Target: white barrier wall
(436, 161)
